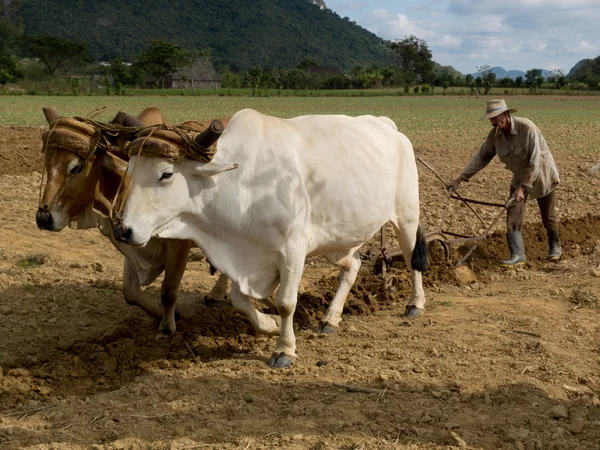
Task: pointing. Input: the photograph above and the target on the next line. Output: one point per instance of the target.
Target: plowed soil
(502, 360)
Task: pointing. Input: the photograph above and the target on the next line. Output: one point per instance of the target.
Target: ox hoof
(280, 360)
(412, 311)
(325, 328)
(214, 303)
(163, 334)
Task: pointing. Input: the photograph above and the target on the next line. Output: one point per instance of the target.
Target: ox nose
(123, 234)
(43, 218)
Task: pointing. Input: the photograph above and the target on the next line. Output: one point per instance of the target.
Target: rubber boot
(517, 250)
(554, 246)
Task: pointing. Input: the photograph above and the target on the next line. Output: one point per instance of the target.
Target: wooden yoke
(209, 136)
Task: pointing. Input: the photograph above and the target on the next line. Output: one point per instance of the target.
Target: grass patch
(31, 261)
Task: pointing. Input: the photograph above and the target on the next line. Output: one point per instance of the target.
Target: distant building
(200, 74)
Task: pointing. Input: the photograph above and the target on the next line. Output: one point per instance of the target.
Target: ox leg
(176, 256)
(133, 292)
(287, 298)
(218, 295)
(262, 323)
(407, 237)
(348, 273)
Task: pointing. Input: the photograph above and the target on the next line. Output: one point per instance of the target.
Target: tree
(10, 30)
(558, 77)
(306, 62)
(487, 77)
(468, 79)
(54, 53)
(125, 74)
(413, 56)
(519, 81)
(161, 58)
(534, 78)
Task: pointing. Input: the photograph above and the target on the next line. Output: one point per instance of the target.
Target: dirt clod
(559, 412)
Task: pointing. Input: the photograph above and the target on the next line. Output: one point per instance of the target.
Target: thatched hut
(200, 74)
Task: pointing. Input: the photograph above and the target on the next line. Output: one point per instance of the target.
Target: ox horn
(51, 114)
(127, 120)
(209, 136)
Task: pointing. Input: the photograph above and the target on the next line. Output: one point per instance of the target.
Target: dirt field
(509, 360)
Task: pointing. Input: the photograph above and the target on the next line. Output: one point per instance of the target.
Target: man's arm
(481, 159)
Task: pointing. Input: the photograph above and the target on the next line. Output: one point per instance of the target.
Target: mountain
(576, 67)
(501, 72)
(269, 33)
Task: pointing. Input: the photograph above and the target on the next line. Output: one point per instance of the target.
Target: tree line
(411, 67)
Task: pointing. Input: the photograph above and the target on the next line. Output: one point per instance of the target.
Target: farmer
(519, 144)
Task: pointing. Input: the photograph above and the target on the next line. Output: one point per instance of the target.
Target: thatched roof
(200, 70)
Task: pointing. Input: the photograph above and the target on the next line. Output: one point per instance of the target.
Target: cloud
(487, 24)
(520, 7)
(532, 45)
(466, 34)
(449, 43)
(399, 26)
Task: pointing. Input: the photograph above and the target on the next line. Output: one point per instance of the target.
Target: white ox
(312, 185)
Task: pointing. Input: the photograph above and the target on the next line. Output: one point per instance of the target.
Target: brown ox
(80, 192)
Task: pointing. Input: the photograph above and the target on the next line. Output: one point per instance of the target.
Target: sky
(466, 34)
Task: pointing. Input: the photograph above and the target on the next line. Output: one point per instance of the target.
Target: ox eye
(166, 176)
(76, 169)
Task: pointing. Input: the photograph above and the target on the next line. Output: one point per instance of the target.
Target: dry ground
(510, 360)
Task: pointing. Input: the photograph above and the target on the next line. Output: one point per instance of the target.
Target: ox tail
(419, 254)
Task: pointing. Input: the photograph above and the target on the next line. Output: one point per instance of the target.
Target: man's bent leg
(514, 235)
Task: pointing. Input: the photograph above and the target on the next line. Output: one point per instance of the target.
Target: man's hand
(520, 193)
(453, 185)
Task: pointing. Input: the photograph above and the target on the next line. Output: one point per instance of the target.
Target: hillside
(270, 33)
(576, 67)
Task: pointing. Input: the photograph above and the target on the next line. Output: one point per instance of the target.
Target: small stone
(321, 363)
(559, 412)
(596, 423)
(436, 394)
(464, 276)
(517, 435)
(65, 344)
(576, 426)
(426, 419)
(8, 361)
(196, 256)
(5, 310)
(98, 267)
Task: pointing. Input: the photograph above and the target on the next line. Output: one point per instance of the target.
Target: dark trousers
(547, 205)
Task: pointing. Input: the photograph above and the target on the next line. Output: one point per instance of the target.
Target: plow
(446, 238)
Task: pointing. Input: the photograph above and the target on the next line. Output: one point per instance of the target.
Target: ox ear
(212, 168)
(111, 162)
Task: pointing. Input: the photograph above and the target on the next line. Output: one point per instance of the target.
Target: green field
(433, 122)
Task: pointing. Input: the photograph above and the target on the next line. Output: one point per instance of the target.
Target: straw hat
(495, 108)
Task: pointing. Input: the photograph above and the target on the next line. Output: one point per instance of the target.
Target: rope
(119, 214)
(191, 149)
